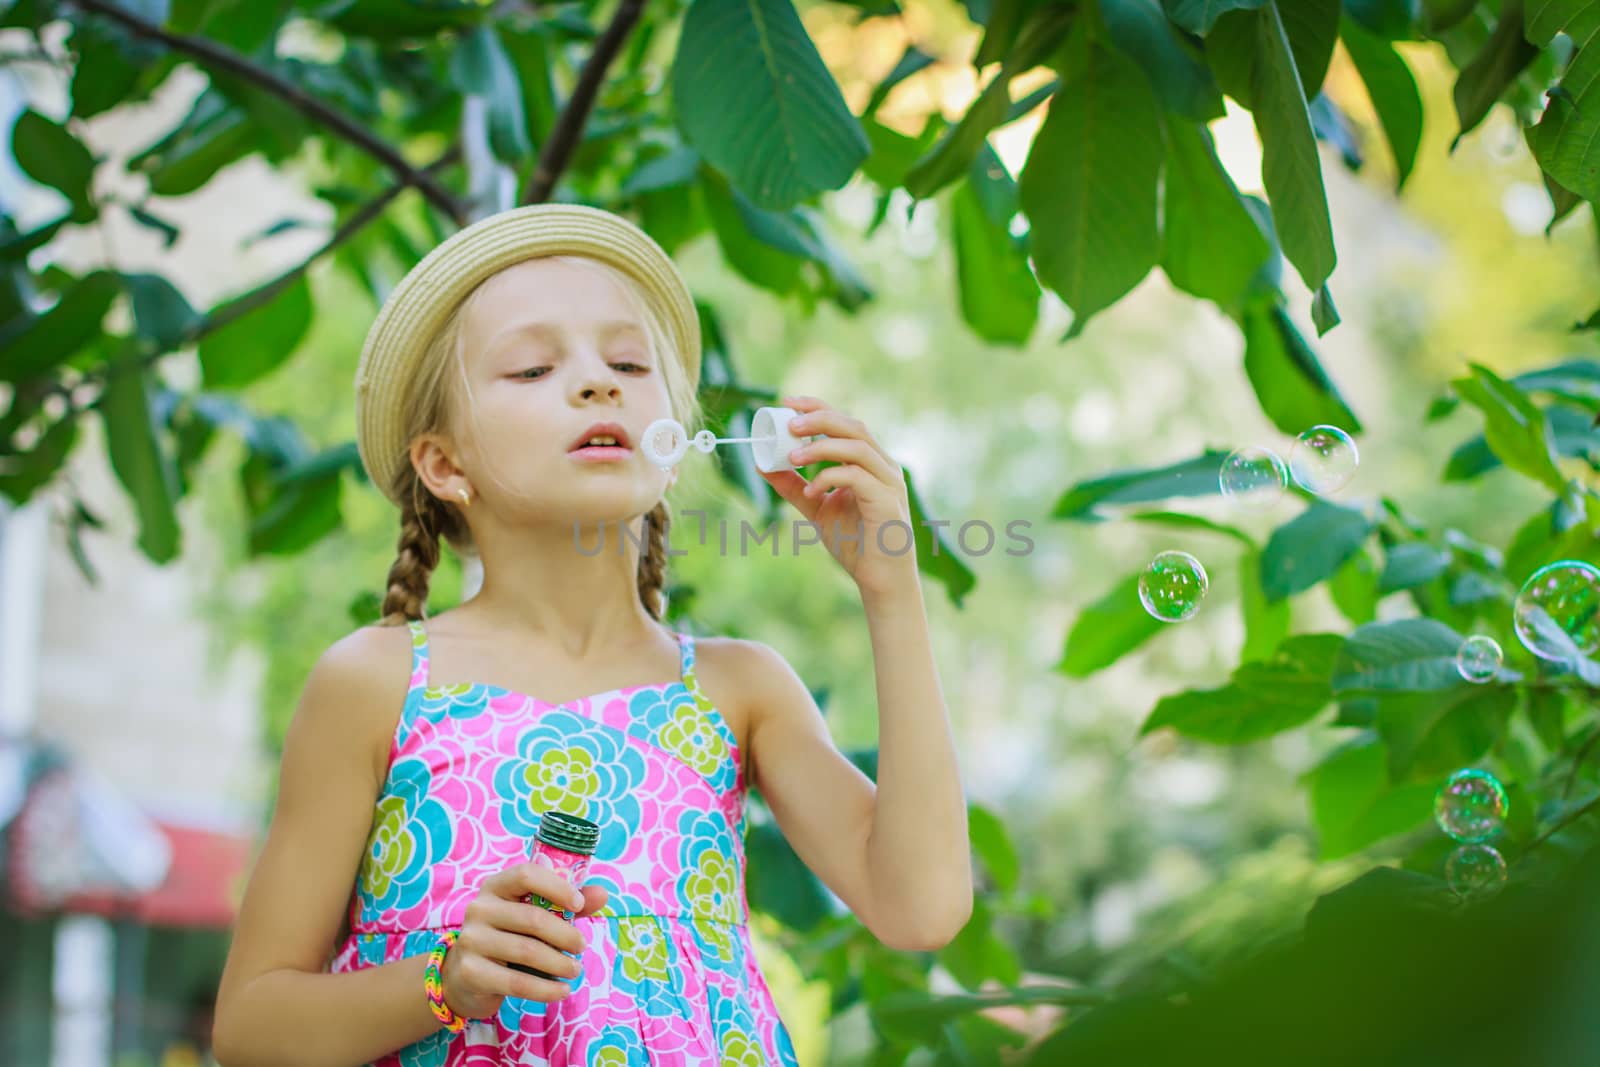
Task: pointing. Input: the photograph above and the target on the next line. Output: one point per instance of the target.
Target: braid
(417, 556)
(653, 560)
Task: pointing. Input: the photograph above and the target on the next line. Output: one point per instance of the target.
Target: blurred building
(131, 763)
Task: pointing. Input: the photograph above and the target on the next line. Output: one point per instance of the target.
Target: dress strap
(686, 666)
(419, 654)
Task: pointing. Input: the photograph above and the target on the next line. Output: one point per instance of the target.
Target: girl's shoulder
(736, 674)
(366, 674)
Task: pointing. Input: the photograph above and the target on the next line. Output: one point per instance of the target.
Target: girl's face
(551, 348)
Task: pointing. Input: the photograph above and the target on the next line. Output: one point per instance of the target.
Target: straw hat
(419, 304)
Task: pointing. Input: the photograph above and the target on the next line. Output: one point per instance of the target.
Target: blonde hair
(432, 404)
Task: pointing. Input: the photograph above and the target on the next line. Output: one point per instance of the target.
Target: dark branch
(264, 293)
(212, 54)
(563, 139)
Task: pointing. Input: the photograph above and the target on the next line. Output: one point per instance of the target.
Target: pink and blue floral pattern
(670, 974)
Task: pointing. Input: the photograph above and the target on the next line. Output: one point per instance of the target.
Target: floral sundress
(670, 975)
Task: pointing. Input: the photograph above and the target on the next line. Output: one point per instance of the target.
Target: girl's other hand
(500, 927)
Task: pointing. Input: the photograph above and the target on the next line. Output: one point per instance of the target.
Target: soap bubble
(1479, 658)
(1557, 613)
(1470, 806)
(1323, 459)
(1255, 477)
(1172, 587)
(1475, 872)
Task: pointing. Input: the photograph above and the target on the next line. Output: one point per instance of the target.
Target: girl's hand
(500, 927)
(852, 502)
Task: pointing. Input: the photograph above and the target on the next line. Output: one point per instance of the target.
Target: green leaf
(953, 154)
(531, 52)
(1571, 430)
(1181, 520)
(934, 555)
(1323, 313)
(978, 954)
(298, 513)
(1312, 29)
(1404, 654)
(257, 342)
(1482, 81)
(754, 242)
(895, 153)
(993, 845)
(677, 166)
(1352, 803)
(1263, 698)
(1291, 170)
(22, 474)
(1198, 16)
(753, 96)
(161, 313)
(214, 134)
(1266, 622)
(1430, 733)
(1393, 91)
(1388, 20)
(1354, 588)
(1514, 426)
(480, 66)
(1410, 565)
(912, 60)
(999, 295)
(52, 338)
(1089, 187)
(1564, 141)
(141, 464)
(1107, 630)
(1311, 547)
(1547, 714)
(49, 154)
(1211, 246)
(1192, 477)
(780, 883)
(1180, 77)
(1294, 390)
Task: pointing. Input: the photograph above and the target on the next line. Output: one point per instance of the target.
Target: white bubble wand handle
(666, 442)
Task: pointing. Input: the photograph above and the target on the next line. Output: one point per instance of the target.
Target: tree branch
(264, 293)
(213, 54)
(563, 139)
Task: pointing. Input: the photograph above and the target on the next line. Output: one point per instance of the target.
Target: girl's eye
(530, 370)
(630, 365)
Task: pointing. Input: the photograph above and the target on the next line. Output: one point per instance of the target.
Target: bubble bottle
(564, 843)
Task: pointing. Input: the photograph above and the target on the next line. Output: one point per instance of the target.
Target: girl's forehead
(558, 291)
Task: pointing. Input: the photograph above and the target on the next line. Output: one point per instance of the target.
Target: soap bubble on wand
(666, 442)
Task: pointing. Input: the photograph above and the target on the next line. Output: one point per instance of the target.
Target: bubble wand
(666, 441)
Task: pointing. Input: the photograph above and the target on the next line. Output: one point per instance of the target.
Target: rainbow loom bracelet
(433, 983)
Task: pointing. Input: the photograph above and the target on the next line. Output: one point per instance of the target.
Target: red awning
(203, 887)
(78, 846)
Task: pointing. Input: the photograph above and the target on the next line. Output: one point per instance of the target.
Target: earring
(465, 499)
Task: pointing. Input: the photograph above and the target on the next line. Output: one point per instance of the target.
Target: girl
(500, 398)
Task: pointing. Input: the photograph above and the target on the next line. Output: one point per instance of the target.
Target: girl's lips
(600, 453)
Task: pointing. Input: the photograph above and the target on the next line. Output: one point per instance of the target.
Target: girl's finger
(504, 947)
(834, 424)
(791, 487)
(849, 450)
(595, 897)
